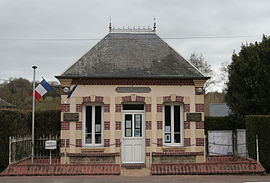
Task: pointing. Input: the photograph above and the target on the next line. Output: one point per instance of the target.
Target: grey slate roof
(132, 55)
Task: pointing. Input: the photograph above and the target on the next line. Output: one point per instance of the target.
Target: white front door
(133, 146)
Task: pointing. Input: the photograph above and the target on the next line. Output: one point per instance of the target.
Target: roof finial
(110, 25)
(154, 25)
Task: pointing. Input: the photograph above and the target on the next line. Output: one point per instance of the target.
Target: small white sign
(50, 144)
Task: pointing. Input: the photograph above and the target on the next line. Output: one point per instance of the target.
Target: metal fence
(227, 142)
(20, 148)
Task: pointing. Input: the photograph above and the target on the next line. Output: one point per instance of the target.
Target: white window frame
(172, 124)
(93, 126)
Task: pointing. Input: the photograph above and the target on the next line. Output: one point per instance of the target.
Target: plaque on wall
(133, 89)
(71, 116)
(194, 117)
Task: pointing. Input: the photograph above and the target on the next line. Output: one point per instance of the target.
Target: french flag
(42, 89)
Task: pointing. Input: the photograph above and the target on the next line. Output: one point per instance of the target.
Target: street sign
(50, 144)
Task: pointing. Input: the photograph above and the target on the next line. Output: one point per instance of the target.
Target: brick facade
(106, 125)
(99, 99)
(200, 125)
(200, 141)
(159, 125)
(159, 142)
(78, 142)
(148, 125)
(118, 107)
(86, 99)
(199, 107)
(186, 125)
(118, 125)
(65, 108)
(78, 125)
(159, 107)
(147, 107)
(186, 141)
(106, 107)
(186, 108)
(147, 142)
(117, 143)
(64, 125)
(140, 99)
(62, 142)
(106, 142)
(78, 107)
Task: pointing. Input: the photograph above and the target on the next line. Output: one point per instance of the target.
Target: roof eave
(133, 77)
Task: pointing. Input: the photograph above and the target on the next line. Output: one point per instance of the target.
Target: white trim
(172, 125)
(93, 126)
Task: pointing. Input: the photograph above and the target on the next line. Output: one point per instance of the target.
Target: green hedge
(231, 122)
(260, 125)
(18, 123)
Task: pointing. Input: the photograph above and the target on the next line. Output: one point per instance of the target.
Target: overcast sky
(24, 22)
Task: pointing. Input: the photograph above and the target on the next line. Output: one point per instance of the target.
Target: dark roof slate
(132, 55)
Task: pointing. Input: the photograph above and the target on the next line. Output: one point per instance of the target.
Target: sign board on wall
(133, 89)
(194, 116)
(71, 116)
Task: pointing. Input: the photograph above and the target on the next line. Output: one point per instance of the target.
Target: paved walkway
(148, 179)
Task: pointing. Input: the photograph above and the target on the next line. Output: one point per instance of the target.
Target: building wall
(71, 132)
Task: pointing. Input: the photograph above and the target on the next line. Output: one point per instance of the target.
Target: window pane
(177, 126)
(177, 137)
(88, 138)
(98, 138)
(138, 125)
(176, 118)
(98, 114)
(88, 122)
(167, 134)
(167, 115)
(133, 106)
(98, 119)
(128, 125)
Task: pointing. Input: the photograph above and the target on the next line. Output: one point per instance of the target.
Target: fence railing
(21, 147)
(227, 142)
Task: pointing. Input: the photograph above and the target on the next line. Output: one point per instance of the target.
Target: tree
(223, 76)
(17, 92)
(249, 79)
(204, 67)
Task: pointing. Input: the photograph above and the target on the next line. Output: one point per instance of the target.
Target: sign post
(50, 145)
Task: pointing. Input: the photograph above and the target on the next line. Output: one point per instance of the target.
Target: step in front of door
(133, 165)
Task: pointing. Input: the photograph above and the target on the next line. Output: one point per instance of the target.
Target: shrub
(259, 125)
(231, 122)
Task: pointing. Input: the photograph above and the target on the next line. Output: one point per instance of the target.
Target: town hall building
(133, 101)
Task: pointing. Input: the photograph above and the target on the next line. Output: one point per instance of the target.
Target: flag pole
(33, 113)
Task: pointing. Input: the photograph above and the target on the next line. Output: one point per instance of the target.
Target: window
(173, 124)
(92, 126)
